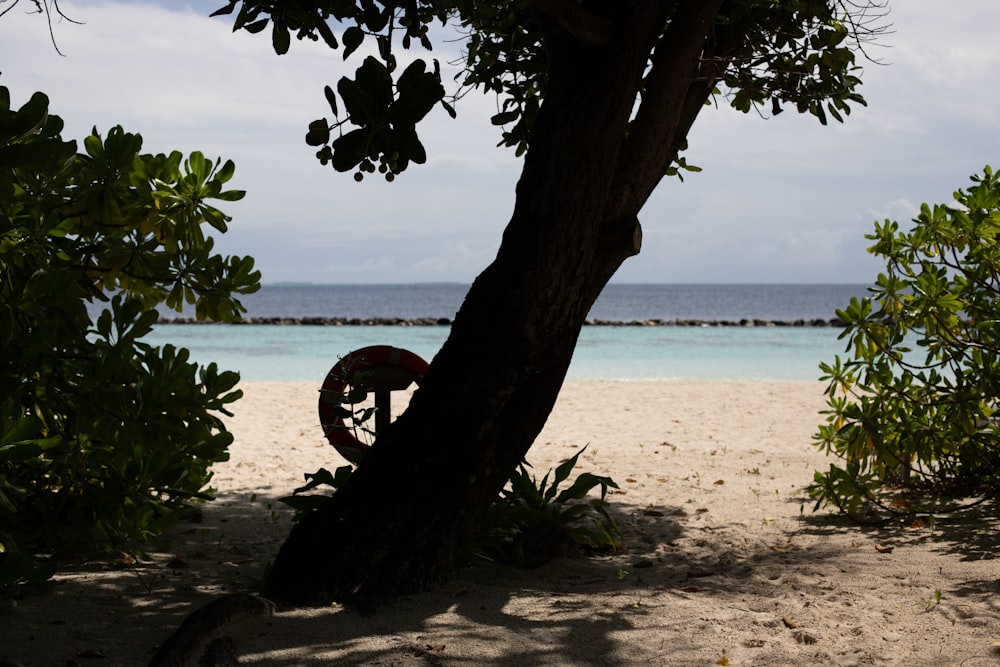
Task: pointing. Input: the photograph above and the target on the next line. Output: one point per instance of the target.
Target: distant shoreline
(444, 321)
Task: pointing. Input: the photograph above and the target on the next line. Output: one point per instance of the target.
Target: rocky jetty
(444, 321)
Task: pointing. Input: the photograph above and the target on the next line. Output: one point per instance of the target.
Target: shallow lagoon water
(297, 352)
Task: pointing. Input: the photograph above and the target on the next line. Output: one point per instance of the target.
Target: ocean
(300, 352)
(621, 302)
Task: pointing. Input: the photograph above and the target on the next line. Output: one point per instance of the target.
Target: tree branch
(47, 7)
(679, 82)
(585, 26)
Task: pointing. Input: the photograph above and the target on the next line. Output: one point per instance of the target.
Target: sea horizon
(296, 352)
(460, 283)
(617, 302)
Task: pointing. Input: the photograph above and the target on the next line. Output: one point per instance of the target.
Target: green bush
(534, 521)
(913, 408)
(104, 439)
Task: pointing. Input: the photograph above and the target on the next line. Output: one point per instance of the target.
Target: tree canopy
(598, 98)
(760, 55)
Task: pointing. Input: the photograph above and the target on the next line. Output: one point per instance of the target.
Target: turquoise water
(708, 353)
(274, 352)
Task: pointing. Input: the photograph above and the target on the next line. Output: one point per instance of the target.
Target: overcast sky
(782, 199)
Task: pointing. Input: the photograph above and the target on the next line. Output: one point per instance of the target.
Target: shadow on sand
(569, 611)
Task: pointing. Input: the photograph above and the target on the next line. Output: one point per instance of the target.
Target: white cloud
(780, 200)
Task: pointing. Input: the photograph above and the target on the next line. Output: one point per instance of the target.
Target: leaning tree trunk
(406, 517)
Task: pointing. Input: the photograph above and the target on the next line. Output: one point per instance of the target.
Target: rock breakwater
(444, 321)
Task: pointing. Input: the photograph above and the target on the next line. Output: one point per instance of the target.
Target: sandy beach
(726, 563)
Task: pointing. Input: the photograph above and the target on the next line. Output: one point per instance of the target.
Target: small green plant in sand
(302, 501)
(534, 521)
(932, 601)
(270, 513)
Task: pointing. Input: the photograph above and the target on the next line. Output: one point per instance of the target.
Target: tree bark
(406, 517)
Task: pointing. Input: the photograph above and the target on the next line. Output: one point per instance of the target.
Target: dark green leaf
(257, 26)
(353, 37)
(349, 150)
(227, 9)
(319, 133)
(331, 99)
(280, 38)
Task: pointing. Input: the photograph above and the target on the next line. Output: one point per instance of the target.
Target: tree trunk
(406, 517)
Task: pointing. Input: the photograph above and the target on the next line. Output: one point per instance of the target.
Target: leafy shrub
(104, 439)
(532, 522)
(914, 406)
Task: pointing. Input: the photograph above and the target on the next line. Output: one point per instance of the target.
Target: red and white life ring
(384, 368)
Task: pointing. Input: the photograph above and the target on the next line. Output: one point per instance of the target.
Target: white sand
(724, 564)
